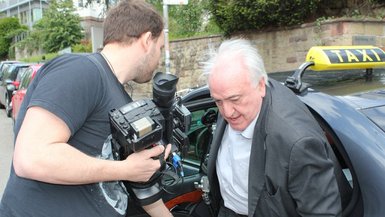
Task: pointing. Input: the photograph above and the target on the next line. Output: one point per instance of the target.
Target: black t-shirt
(81, 90)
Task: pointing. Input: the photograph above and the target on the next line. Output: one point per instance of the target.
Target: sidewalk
(6, 148)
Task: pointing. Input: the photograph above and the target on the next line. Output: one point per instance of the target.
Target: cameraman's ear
(146, 40)
(167, 151)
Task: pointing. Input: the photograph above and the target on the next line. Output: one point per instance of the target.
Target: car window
(13, 71)
(25, 79)
(20, 73)
(200, 136)
(4, 71)
(197, 129)
(10, 73)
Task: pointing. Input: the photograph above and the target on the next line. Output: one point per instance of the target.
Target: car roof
(371, 104)
(12, 67)
(9, 61)
(366, 100)
(196, 93)
(36, 66)
(20, 65)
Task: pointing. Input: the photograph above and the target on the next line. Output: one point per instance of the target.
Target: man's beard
(145, 69)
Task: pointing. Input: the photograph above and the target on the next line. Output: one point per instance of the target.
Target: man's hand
(142, 165)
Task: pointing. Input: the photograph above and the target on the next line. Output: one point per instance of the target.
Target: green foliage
(32, 41)
(158, 4)
(9, 27)
(39, 58)
(83, 47)
(60, 26)
(58, 29)
(188, 20)
(232, 15)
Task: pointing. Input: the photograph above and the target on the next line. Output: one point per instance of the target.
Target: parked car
(353, 124)
(4, 66)
(8, 84)
(6, 63)
(24, 80)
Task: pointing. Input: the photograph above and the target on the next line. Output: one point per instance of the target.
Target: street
(6, 148)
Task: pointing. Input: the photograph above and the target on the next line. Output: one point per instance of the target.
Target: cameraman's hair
(233, 48)
(127, 21)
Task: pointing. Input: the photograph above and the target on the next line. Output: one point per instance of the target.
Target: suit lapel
(220, 128)
(211, 164)
(257, 156)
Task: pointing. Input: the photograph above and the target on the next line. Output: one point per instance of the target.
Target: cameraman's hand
(167, 151)
(140, 166)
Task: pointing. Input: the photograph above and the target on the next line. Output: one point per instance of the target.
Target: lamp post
(166, 41)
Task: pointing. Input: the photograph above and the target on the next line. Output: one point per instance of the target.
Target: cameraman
(63, 125)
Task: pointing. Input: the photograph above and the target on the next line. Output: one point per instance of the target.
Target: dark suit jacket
(291, 172)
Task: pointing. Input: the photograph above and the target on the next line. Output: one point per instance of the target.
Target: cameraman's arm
(42, 153)
(157, 209)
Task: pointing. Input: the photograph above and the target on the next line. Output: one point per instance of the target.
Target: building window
(24, 17)
(36, 14)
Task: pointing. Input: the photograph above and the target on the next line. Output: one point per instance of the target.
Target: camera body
(140, 124)
(147, 122)
(135, 126)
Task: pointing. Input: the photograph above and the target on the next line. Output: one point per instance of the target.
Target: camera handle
(145, 195)
(148, 192)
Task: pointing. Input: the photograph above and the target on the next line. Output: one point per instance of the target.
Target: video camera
(136, 126)
(144, 123)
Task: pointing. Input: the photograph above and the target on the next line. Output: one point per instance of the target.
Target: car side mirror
(11, 87)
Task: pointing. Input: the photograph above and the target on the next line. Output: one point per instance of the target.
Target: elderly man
(269, 156)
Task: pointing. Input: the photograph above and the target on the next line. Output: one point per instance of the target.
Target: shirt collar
(248, 132)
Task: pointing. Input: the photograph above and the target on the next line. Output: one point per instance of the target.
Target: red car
(19, 94)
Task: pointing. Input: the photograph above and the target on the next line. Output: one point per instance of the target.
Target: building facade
(28, 11)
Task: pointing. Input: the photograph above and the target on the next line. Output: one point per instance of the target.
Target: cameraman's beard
(146, 68)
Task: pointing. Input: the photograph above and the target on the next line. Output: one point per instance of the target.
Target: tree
(234, 16)
(59, 27)
(9, 26)
(188, 20)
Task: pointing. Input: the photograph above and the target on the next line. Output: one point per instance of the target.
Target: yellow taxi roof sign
(345, 57)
